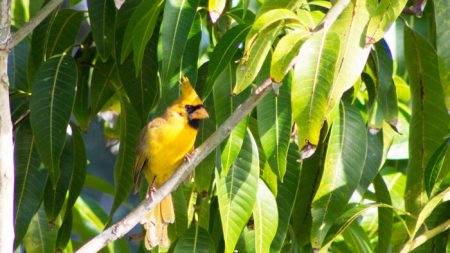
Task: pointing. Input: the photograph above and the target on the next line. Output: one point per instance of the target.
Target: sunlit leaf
(215, 9)
(265, 215)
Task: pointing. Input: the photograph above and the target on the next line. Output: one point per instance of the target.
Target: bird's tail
(156, 224)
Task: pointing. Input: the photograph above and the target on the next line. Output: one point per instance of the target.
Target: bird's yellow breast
(168, 145)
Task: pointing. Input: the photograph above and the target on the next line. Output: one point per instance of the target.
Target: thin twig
(332, 15)
(421, 239)
(34, 21)
(120, 228)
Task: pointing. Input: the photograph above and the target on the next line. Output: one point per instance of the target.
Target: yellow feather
(163, 144)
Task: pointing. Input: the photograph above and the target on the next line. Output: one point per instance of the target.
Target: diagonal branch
(120, 228)
(34, 21)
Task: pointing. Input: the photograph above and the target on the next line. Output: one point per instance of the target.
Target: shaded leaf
(17, 66)
(441, 10)
(191, 52)
(429, 119)
(177, 21)
(103, 78)
(29, 181)
(342, 171)
(51, 105)
(102, 16)
(435, 172)
(40, 237)
(195, 239)
(385, 215)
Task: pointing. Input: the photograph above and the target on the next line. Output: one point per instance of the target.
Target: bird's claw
(187, 157)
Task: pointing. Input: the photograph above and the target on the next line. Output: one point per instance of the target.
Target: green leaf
(79, 166)
(286, 51)
(387, 96)
(441, 10)
(310, 177)
(215, 9)
(189, 65)
(55, 35)
(177, 21)
(342, 171)
(254, 57)
(429, 119)
(54, 197)
(180, 225)
(102, 16)
(223, 54)
(350, 26)
(277, 4)
(64, 231)
(51, 105)
(237, 191)
(274, 127)
(265, 215)
(382, 15)
(435, 172)
(143, 89)
(40, 237)
(385, 215)
(103, 78)
(195, 239)
(81, 109)
(357, 239)
(224, 105)
(373, 161)
(30, 181)
(122, 33)
(143, 29)
(311, 86)
(98, 184)
(17, 66)
(129, 132)
(288, 191)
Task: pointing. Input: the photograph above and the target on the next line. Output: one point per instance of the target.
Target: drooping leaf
(385, 215)
(382, 15)
(342, 171)
(55, 35)
(177, 20)
(274, 127)
(288, 191)
(195, 239)
(180, 225)
(191, 52)
(436, 169)
(286, 51)
(223, 54)
(30, 181)
(350, 26)
(54, 197)
(129, 131)
(357, 239)
(254, 57)
(122, 33)
(143, 89)
(441, 10)
(224, 105)
(51, 105)
(265, 215)
(103, 78)
(237, 191)
(102, 16)
(387, 97)
(429, 119)
(17, 66)
(40, 237)
(311, 86)
(64, 231)
(215, 9)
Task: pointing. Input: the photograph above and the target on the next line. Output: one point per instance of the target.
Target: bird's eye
(188, 107)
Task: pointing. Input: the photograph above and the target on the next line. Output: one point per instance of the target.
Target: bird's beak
(200, 113)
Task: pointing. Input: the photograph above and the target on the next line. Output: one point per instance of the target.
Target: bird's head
(189, 105)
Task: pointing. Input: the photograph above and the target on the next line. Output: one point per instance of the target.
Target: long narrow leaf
(265, 215)
(102, 15)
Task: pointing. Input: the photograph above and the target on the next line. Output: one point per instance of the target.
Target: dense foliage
(349, 153)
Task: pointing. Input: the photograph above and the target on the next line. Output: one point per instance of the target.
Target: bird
(164, 143)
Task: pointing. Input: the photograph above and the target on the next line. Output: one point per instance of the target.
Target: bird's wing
(142, 154)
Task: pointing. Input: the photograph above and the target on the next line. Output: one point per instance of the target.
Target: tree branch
(6, 137)
(120, 228)
(34, 21)
(332, 15)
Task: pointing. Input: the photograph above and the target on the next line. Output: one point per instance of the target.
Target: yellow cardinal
(163, 144)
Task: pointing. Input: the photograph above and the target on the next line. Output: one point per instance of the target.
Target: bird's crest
(188, 94)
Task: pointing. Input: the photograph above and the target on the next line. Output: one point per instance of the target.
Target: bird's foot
(187, 157)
